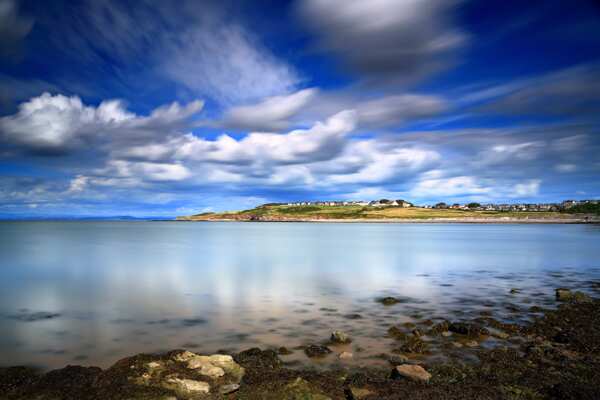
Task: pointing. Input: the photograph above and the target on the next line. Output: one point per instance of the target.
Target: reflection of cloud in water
(136, 285)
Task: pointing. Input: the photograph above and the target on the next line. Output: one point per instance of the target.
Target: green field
(284, 212)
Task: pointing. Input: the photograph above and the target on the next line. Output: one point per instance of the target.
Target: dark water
(94, 292)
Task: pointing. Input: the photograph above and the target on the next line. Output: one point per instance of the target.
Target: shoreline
(557, 355)
(503, 220)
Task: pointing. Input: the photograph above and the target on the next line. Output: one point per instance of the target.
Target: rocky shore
(556, 356)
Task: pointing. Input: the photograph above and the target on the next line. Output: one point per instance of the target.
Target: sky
(156, 109)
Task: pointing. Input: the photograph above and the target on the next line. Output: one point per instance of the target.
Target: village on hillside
(473, 206)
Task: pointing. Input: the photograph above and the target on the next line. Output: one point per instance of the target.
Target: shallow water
(94, 292)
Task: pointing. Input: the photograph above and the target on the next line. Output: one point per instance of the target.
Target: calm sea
(94, 292)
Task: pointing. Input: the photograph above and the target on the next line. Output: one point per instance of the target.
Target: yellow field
(275, 212)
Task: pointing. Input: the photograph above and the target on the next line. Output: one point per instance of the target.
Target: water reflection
(93, 292)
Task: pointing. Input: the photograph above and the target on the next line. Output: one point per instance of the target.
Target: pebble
(355, 393)
(471, 343)
(190, 385)
(414, 372)
(226, 389)
(340, 337)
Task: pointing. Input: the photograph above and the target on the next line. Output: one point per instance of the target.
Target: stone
(184, 356)
(468, 329)
(446, 334)
(389, 301)
(315, 350)
(153, 365)
(515, 291)
(414, 345)
(563, 294)
(471, 343)
(356, 393)
(284, 351)
(439, 328)
(198, 362)
(580, 297)
(457, 345)
(345, 355)
(501, 335)
(396, 333)
(417, 332)
(188, 386)
(340, 337)
(212, 371)
(413, 372)
(300, 389)
(397, 359)
(226, 389)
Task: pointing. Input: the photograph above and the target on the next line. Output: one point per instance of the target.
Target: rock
(257, 358)
(580, 297)
(413, 372)
(389, 301)
(184, 356)
(514, 291)
(315, 350)
(355, 393)
(187, 387)
(284, 351)
(226, 389)
(457, 345)
(397, 359)
(471, 343)
(446, 334)
(212, 371)
(563, 294)
(501, 335)
(300, 390)
(439, 328)
(340, 337)
(397, 333)
(409, 325)
(414, 345)
(468, 329)
(417, 332)
(345, 355)
(153, 365)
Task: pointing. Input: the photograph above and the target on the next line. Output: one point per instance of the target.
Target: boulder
(187, 387)
(411, 371)
(389, 301)
(356, 393)
(340, 337)
(397, 333)
(414, 344)
(300, 389)
(226, 389)
(468, 329)
(316, 350)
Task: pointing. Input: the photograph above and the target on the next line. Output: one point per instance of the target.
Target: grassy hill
(311, 212)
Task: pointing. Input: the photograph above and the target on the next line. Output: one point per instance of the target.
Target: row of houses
(515, 207)
(375, 203)
(470, 206)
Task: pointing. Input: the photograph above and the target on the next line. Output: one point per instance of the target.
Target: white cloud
(527, 189)
(391, 110)
(434, 186)
(272, 113)
(566, 168)
(226, 64)
(59, 123)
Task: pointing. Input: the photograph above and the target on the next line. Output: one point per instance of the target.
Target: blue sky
(145, 109)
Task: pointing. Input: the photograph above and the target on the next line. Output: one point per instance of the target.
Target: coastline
(557, 355)
(502, 220)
